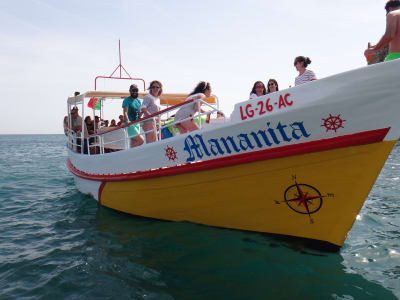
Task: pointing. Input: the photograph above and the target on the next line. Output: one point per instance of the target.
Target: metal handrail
(99, 137)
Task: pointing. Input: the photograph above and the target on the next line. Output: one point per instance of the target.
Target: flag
(94, 103)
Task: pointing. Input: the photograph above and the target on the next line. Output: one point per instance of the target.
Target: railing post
(126, 138)
(88, 146)
(159, 128)
(142, 130)
(101, 145)
(199, 116)
(83, 126)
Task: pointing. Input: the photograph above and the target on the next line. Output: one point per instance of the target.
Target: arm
(312, 76)
(125, 114)
(196, 104)
(390, 33)
(144, 110)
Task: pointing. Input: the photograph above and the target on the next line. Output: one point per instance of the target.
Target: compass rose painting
(303, 198)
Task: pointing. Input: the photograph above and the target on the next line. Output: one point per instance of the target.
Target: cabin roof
(165, 99)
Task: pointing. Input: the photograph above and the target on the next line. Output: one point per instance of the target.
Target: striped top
(307, 76)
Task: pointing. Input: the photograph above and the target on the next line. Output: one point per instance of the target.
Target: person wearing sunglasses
(301, 63)
(150, 106)
(272, 86)
(392, 33)
(258, 90)
(131, 111)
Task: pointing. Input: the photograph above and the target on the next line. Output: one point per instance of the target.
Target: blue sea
(56, 243)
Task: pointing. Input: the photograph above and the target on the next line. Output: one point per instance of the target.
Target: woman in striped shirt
(305, 75)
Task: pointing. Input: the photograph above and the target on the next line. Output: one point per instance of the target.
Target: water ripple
(59, 244)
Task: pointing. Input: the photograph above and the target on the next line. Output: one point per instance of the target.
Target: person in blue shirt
(131, 111)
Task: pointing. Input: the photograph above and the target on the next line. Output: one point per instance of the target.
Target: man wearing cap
(392, 33)
(131, 111)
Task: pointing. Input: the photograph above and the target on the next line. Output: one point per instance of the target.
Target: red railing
(120, 66)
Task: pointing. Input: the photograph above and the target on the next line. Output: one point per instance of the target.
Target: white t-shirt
(253, 95)
(307, 76)
(188, 110)
(77, 121)
(151, 103)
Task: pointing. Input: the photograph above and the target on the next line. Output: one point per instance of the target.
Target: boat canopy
(165, 99)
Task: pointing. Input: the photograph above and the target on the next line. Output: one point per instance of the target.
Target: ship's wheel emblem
(303, 199)
(170, 153)
(333, 123)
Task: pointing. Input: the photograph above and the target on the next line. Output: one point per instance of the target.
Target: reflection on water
(189, 261)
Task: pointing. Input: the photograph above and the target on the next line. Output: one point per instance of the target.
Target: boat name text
(197, 148)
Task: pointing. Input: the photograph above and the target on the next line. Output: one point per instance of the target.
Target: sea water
(56, 243)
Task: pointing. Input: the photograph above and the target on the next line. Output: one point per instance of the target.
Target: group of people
(260, 90)
(305, 75)
(134, 109)
(97, 123)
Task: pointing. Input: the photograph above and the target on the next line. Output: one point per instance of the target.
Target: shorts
(134, 130)
(392, 56)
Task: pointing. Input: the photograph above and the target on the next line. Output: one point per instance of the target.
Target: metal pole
(199, 103)
(83, 125)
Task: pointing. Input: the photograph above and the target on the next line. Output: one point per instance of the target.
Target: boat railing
(117, 138)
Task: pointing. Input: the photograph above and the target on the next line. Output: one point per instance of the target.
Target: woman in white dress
(201, 91)
(305, 75)
(150, 106)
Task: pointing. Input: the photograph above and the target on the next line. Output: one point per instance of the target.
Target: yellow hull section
(316, 195)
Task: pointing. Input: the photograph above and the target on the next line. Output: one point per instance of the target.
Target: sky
(49, 49)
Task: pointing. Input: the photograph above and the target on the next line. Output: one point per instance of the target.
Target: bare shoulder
(394, 14)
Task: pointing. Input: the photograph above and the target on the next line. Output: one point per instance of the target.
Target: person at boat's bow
(391, 36)
(301, 63)
(258, 90)
(201, 91)
(272, 86)
(131, 112)
(149, 107)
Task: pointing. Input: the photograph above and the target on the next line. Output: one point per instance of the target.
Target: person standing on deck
(131, 111)
(149, 107)
(305, 75)
(392, 33)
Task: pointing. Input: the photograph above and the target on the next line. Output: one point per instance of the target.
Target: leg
(151, 136)
(181, 128)
(189, 125)
(137, 141)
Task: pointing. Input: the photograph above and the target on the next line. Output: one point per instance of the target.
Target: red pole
(120, 66)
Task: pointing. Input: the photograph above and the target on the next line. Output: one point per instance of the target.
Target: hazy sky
(49, 49)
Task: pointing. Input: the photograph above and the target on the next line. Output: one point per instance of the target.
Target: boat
(299, 162)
